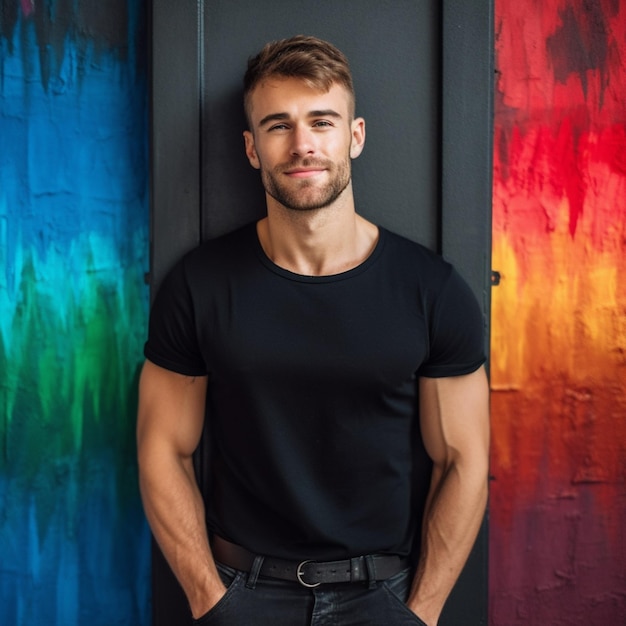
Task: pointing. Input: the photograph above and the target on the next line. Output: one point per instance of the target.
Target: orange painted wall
(558, 345)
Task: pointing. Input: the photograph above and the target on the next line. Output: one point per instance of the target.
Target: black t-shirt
(312, 396)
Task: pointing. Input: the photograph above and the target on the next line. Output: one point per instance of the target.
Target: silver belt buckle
(300, 573)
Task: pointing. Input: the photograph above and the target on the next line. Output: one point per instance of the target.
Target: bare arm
(169, 426)
(454, 414)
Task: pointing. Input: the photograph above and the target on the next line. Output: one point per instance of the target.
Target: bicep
(454, 418)
(171, 410)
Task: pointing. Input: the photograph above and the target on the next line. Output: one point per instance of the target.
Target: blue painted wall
(74, 545)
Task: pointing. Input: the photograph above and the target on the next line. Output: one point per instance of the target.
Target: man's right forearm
(175, 511)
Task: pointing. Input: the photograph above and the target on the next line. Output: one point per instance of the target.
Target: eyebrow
(281, 117)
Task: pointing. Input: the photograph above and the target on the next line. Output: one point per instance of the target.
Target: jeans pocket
(397, 589)
(233, 580)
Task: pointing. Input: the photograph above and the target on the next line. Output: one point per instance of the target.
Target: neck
(317, 243)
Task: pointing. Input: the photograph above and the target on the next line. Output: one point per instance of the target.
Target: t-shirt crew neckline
(326, 278)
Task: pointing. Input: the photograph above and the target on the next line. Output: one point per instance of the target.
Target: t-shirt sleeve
(172, 331)
(456, 331)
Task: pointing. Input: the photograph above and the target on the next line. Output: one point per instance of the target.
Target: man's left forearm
(452, 519)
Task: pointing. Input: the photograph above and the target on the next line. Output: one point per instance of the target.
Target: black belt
(309, 573)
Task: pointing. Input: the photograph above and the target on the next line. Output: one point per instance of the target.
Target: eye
(322, 124)
(277, 127)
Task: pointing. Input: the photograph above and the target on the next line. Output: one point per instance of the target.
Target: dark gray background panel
(175, 134)
(394, 51)
(423, 75)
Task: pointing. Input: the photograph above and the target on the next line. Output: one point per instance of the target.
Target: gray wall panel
(423, 75)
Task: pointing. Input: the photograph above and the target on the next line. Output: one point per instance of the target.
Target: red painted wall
(558, 359)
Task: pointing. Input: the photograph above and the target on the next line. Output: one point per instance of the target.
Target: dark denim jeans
(278, 603)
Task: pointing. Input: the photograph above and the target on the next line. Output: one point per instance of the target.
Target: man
(335, 361)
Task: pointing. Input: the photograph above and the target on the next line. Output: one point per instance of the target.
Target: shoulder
(414, 257)
(214, 256)
(207, 264)
(231, 244)
(439, 284)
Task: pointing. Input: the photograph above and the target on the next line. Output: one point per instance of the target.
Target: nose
(302, 141)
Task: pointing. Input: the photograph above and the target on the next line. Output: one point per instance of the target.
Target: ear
(251, 150)
(358, 137)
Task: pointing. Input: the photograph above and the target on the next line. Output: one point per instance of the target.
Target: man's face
(302, 140)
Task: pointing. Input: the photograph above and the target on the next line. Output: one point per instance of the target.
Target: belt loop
(355, 568)
(370, 566)
(254, 572)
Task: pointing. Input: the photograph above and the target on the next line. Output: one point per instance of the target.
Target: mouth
(304, 172)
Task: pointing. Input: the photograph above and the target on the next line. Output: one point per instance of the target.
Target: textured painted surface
(74, 546)
(557, 534)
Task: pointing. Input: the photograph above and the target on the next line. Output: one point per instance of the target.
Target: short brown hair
(315, 61)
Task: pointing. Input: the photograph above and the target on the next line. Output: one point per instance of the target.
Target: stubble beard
(305, 194)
